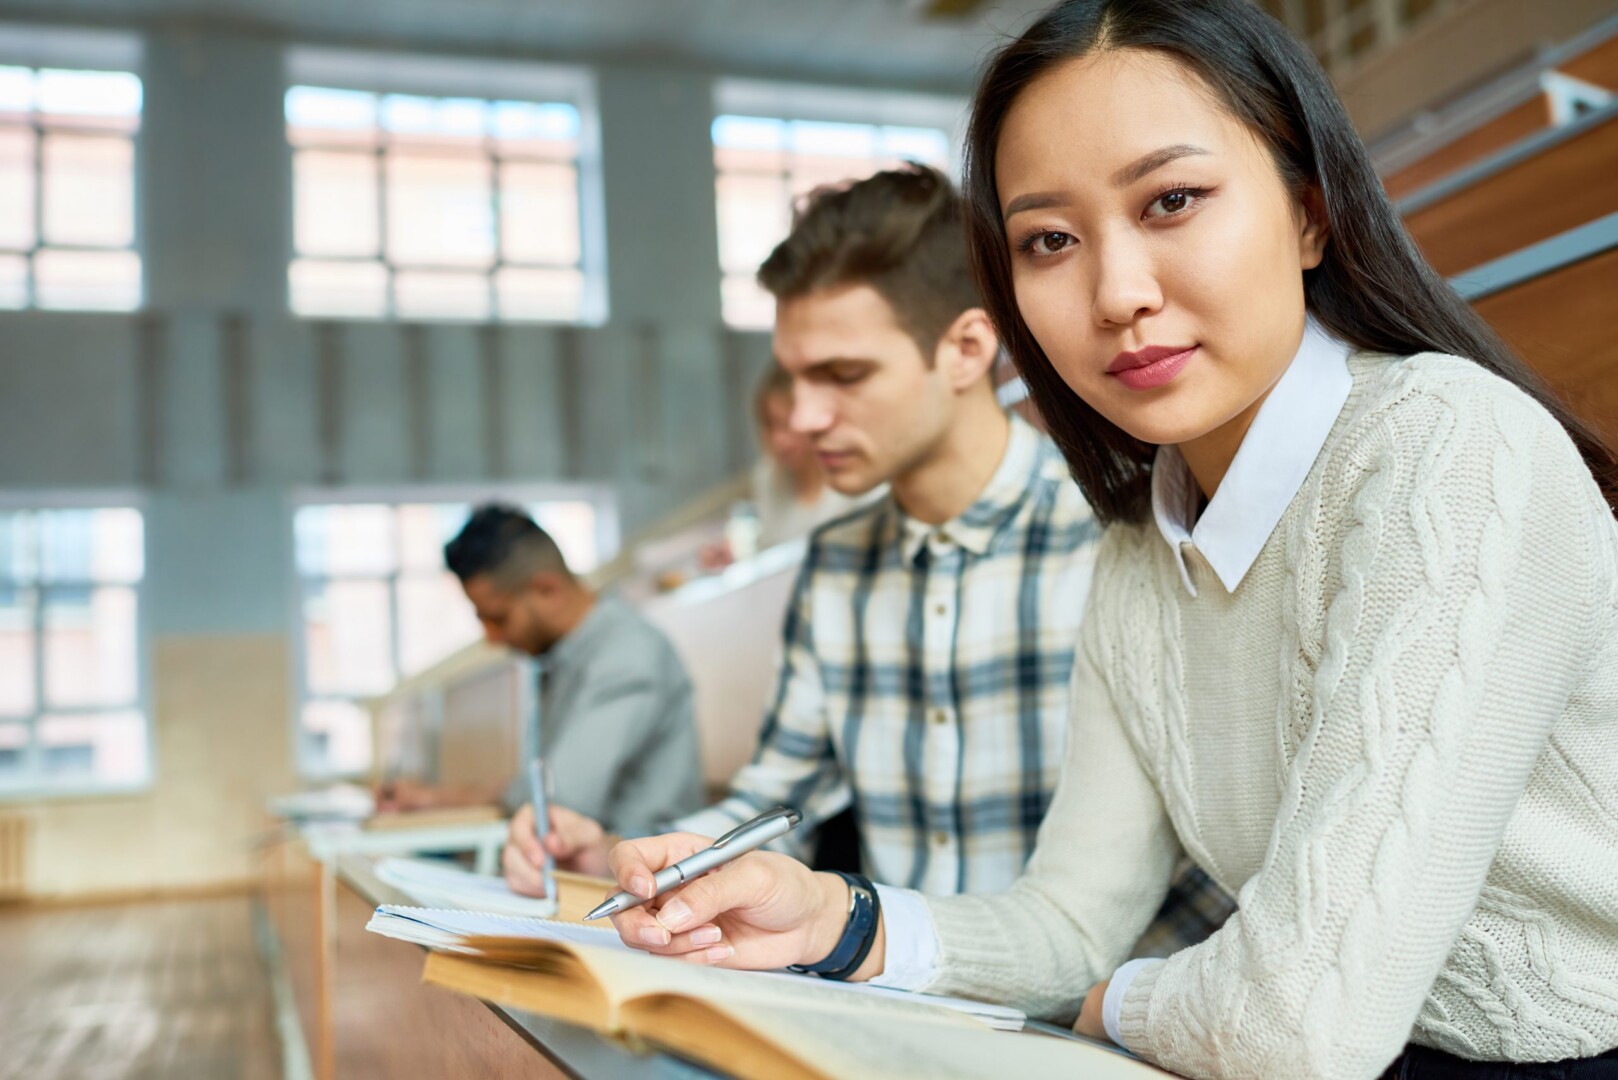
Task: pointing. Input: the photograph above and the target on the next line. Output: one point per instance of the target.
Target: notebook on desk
(440, 884)
(746, 1024)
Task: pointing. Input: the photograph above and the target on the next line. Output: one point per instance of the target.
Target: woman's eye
(1172, 202)
(1048, 243)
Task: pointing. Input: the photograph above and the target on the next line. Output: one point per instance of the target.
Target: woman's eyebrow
(1150, 163)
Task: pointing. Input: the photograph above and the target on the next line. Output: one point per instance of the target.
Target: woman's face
(1156, 255)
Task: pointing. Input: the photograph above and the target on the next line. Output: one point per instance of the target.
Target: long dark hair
(1373, 289)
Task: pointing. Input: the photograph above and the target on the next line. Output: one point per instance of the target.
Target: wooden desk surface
(562, 1049)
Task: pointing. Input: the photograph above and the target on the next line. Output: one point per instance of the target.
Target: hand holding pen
(761, 911)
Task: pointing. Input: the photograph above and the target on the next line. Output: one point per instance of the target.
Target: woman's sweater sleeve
(1460, 626)
(1099, 872)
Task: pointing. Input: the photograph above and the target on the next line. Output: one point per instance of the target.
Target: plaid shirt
(925, 680)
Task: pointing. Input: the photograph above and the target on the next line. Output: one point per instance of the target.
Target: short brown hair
(900, 232)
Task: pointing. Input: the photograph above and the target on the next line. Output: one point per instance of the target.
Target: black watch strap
(859, 934)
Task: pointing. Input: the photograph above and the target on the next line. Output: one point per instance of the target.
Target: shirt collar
(1270, 466)
(976, 526)
(577, 641)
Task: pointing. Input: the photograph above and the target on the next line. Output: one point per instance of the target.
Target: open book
(440, 884)
(743, 1023)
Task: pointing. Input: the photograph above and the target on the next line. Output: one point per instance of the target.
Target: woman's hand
(1089, 1021)
(760, 911)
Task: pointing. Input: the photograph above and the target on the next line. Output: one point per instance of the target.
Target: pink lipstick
(1151, 367)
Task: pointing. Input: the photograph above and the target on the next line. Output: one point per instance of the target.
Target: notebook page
(449, 929)
(439, 884)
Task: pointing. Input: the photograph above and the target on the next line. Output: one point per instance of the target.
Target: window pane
(539, 294)
(422, 121)
(849, 141)
(423, 532)
(89, 190)
(107, 748)
(440, 210)
(532, 130)
(754, 216)
(90, 643)
(348, 637)
(16, 189)
(17, 697)
(440, 294)
(339, 733)
(573, 526)
(926, 145)
(435, 620)
(330, 117)
(344, 540)
(337, 288)
(745, 305)
(16, 93)
(18, 555)
(539, 213)
(13, 281)
(13, 751)
(87, 280)
(335, 203)
(92, 545)
(102, 98)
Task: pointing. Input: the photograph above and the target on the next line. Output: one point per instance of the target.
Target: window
(377, 604)
(435, 207)
(67, 189)
(71, 716)
(764, 165)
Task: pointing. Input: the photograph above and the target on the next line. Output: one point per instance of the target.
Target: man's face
(516, 618)
(862, 392)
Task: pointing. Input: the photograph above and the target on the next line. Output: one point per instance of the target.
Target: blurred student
(616, 726)
(930, 636)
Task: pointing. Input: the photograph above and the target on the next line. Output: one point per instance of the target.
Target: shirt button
(940, 716)
(941, 609)
(940, 838)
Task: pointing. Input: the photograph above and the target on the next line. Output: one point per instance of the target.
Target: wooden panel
(1599, 65)
(1561, 323)
(1475, 145)
(388, 1024)
(482, 734)
(1561, 188)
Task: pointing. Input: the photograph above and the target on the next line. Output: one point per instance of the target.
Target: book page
(885, 1047)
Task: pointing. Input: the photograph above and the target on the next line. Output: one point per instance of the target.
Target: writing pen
(745, 837)
(542, 818)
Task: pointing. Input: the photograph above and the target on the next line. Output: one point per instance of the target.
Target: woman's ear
(969, 348)
(1315, 232)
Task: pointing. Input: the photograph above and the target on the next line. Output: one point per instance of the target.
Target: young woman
(1353, 638)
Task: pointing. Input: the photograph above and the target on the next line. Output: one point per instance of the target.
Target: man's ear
(967, 349)
(546, 583)
(1316, 231)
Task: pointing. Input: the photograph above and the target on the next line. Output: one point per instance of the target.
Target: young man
(930, 636)
(615, 721)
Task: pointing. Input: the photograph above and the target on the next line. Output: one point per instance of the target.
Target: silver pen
(745, 837)
(542, 819)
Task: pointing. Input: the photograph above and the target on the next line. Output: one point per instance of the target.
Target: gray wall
(215, 401)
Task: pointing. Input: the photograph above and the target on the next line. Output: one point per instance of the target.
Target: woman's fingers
(521, 875)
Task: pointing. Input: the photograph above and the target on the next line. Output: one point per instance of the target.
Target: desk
(365, 1012)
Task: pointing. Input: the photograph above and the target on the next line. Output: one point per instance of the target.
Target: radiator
(14, 831)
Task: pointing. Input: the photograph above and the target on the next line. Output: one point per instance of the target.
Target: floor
(171, 989)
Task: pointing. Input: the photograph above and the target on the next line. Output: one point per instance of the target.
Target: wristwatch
(859, 934)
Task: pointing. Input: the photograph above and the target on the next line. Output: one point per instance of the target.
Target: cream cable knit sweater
(1396, 743)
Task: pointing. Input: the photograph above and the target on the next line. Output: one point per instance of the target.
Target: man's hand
(1089, 1021)
(576, 843)
(397, 796)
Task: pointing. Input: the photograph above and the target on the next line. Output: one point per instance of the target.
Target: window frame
(428, 75)
(608, 539)
(75, 49)
(15, 500)
(808, 103)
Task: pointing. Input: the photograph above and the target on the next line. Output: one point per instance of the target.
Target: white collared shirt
(1269, 467)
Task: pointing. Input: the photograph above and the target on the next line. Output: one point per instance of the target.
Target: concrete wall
(215, 402)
